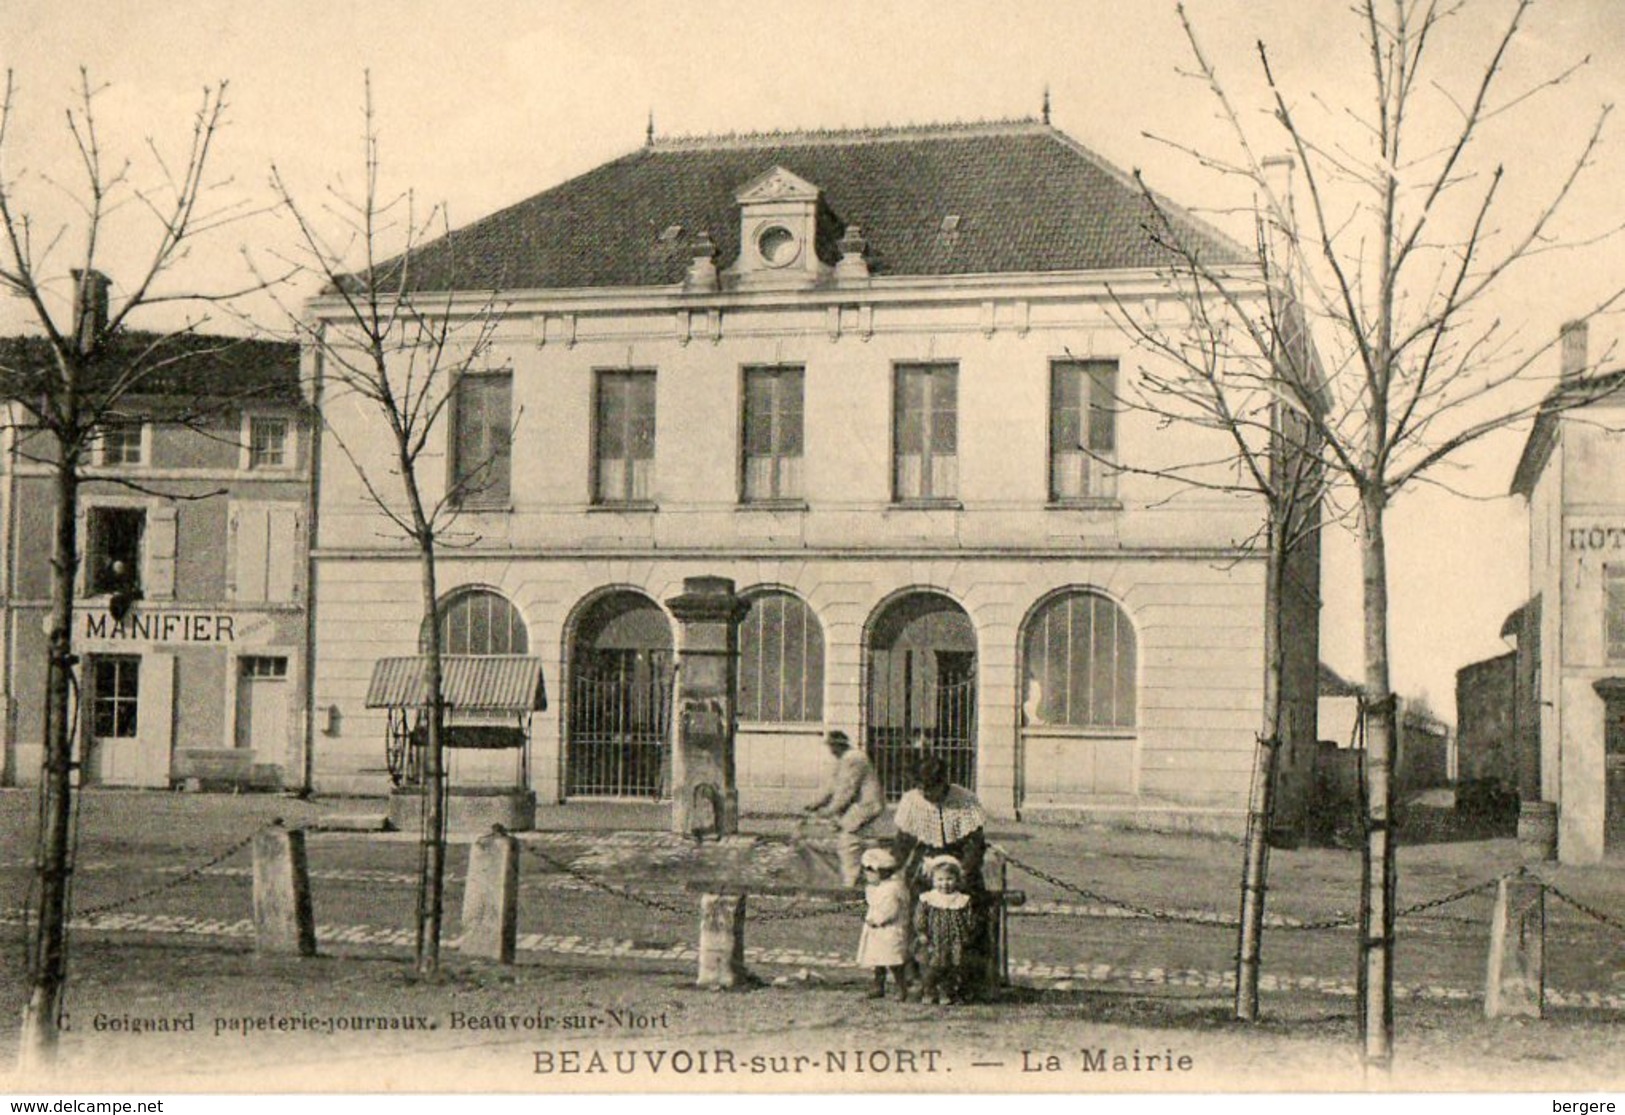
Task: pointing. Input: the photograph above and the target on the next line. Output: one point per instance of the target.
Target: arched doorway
(617, 740)
(922, 688)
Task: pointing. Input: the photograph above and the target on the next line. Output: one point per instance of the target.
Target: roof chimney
(89, 306)
(1276, 178)
(1572, 340)
(852, 264)
(1277, 224)
(702, 272)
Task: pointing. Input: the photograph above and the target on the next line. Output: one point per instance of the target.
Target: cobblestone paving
(1060, 977)
(649, 860)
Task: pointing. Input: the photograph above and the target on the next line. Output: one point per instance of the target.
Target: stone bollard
(491, 897)
(283, 921)
(722, 941)
(1516, 983)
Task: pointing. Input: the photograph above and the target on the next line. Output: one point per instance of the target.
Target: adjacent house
(190, 623)
(1573, 628)
(1424, 752)
(872, 378)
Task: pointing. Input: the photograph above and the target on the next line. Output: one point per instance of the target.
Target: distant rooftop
(1568, 396)
(181, 365)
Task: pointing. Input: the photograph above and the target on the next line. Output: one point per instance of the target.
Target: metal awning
(469, 683)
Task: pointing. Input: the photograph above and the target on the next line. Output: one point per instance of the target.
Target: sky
(486, 102)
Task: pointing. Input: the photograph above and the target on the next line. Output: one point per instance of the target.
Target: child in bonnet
(884, 942)
(946, 928)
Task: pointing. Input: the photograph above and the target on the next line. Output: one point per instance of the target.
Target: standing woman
(939, 818)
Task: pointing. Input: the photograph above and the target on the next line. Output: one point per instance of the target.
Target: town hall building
(872, 378)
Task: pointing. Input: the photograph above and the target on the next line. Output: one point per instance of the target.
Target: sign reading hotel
(1600, 536)
(176, 627)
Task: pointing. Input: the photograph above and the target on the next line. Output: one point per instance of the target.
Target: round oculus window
(778, 246)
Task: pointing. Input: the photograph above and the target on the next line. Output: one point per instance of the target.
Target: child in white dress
(884, 942)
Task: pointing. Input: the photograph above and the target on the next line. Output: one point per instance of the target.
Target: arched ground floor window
(1079, 704)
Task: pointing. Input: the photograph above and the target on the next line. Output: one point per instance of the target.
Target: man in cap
(852, 800)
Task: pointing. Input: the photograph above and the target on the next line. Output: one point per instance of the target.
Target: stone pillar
(491, 897)
(1516, 983)
(705, 796)
(283, 919)
(722, 941)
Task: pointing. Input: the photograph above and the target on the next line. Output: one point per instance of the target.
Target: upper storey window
(268, 443)
(122, 443)
(1083, 430)
(1614, 612)
(772, 464)
(482, 436)
(926, 435)
(624, 437)
(113, 549)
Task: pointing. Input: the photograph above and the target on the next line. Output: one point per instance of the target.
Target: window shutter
(1103, 408)
(233, 512)
(87, 548)
(282, 572)
(159, 583)
(251, 551)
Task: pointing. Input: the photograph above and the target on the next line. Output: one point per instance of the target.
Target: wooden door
(262, 706)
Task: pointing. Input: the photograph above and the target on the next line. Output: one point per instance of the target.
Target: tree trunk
(48, 946)
(1255, 867)
(432, 860)
(1377, 906)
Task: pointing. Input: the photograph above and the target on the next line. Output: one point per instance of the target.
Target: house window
(259, 666)
(772, 434)
(1614, 612)
(624, 437)
(121, 443)
(481, 458)
(1083, 430)
(1079, 658)
(267, 443)
(781, 661)
(927, 432)
(116, 705)
(113, 549)
(479, 621)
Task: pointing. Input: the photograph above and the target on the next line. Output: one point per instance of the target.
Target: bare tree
(1407, 237)
(400, 353)
(1207, 376)
(64, 384)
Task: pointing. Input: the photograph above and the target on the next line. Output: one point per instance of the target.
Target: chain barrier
(1340, 921)
(1588, 911)
(832, 906)
(1454, 896)
(183, 878)
(1105, 900)
(625, 893)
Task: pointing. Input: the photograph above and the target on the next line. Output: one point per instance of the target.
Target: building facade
(1573, 628)
(1486, 722)
(190, 623)
(873, 379)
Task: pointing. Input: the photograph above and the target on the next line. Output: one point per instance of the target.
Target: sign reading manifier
(176, 627)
